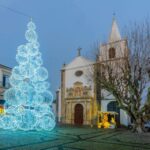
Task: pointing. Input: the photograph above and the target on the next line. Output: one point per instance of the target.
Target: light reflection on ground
(73, 138)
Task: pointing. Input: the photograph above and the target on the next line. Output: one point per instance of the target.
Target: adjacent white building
(5, 73)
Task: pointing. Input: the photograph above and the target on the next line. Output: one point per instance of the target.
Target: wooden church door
(78, 115)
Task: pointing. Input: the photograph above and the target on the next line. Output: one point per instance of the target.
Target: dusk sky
(63, 26)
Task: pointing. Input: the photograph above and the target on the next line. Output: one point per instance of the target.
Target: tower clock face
(79, 73)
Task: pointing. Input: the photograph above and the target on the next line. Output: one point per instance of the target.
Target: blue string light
(28, 102)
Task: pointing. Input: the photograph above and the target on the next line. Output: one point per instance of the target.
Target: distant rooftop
(5, 67)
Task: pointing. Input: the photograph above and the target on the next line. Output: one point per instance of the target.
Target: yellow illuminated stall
(2, 106)
(1, 110)
(106, 120)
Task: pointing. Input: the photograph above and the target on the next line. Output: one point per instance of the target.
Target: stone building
(5, 72)
(77, 104)
(77, 99)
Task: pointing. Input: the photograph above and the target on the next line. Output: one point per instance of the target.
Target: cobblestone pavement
(73, 138)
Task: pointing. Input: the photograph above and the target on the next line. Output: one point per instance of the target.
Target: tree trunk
(138, 126)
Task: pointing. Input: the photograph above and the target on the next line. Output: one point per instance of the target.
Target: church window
(112, 53)
(78, 73)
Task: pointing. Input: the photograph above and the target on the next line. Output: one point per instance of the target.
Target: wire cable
(15, 11)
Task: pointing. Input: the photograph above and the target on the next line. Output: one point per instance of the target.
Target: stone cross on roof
(79, 51)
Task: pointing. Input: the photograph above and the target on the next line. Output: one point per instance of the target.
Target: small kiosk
(2, 106)
(106, 119)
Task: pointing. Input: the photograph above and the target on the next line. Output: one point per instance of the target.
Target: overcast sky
(63, 26)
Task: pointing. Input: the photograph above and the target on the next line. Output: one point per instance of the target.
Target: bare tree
(127, 79)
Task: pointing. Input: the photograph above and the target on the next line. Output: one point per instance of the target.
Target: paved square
(73, 138)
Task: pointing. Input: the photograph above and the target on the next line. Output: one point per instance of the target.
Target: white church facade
(76, 105)
(77, 102)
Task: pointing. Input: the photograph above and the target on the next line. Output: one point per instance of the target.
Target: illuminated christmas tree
(28, 102)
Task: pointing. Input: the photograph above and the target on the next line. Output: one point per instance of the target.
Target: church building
(77, 104)
(77, 100)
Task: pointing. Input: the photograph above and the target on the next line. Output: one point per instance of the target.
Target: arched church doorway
(112, 106)
(78, 115)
